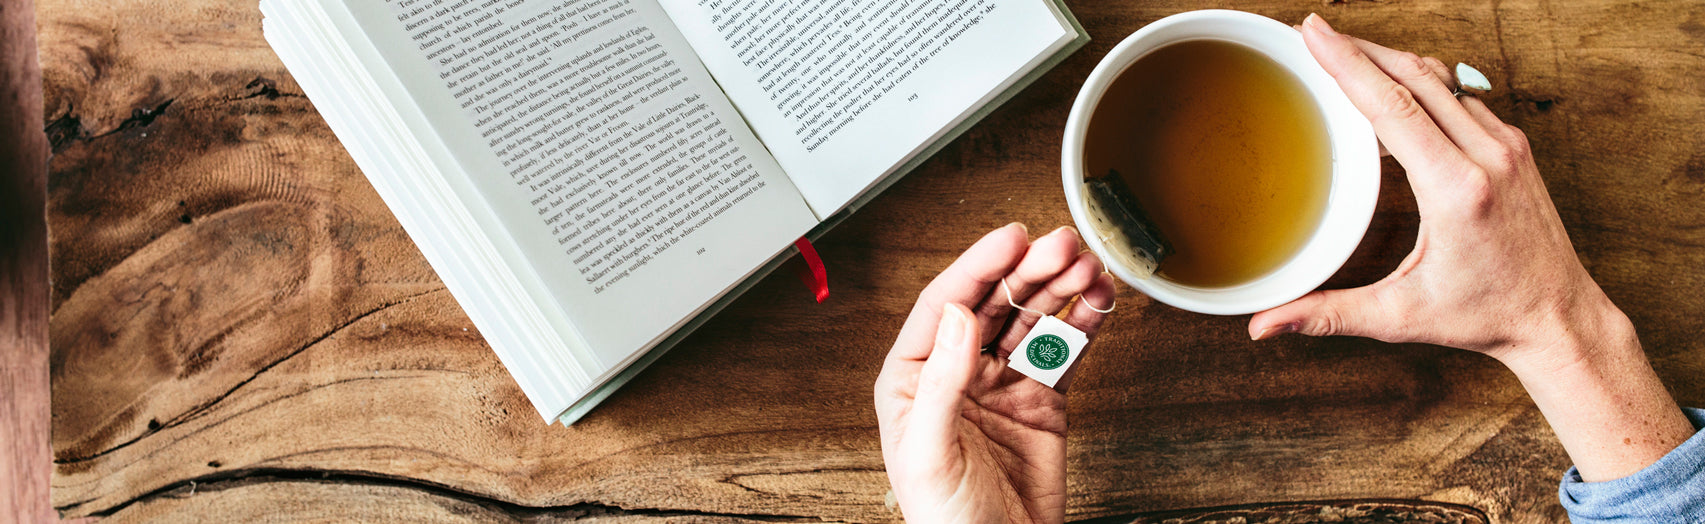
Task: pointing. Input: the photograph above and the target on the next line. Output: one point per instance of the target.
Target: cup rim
(1354, 190)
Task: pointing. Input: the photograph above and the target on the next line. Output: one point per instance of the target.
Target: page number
(912, 98)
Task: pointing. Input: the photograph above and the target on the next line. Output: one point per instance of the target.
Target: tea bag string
(1014, 304)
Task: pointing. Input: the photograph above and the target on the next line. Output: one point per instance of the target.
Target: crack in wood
(68, 128)
(267, 88)
(235, 478)
(65, 130)
(734, 479)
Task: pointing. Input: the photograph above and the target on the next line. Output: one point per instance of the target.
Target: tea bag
(1048, 351)
(1122, 225)
(1050, 348)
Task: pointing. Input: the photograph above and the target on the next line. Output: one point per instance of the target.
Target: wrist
(1592, 382)
(1587, 333)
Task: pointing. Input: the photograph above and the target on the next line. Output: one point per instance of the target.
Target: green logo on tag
(1047, 351)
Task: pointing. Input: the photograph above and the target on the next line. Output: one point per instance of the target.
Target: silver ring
(1470, 81)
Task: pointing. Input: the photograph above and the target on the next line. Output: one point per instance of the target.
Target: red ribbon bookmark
(814, 275)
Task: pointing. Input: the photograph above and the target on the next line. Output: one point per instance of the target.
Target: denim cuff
(1670, 490)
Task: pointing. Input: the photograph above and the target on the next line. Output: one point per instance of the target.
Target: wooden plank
(234, 302)
(24, 413)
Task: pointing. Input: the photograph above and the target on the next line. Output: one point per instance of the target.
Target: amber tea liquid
(1225, 150)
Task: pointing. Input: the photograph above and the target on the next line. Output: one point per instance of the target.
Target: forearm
(1600, 395)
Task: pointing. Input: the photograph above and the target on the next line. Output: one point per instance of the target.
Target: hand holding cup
(1492, 270)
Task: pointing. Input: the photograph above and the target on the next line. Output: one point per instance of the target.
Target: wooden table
(241, 330)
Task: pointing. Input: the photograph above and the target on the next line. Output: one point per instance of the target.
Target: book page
(612, 160)
(843, 93)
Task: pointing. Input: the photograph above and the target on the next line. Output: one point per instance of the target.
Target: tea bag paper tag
(1051, 347)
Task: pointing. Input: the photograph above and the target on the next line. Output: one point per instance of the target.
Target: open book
(592, 179)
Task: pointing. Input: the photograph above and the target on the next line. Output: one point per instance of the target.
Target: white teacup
(1355, 164)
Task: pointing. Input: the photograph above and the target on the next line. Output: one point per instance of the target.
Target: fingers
(967, 281)
(1083, 316)
(1437, 67)
(1359, 312)
(1087, 319)
(1431, 84)
(1047, 257)
(944, 380)
(1054, 295)
(1476, 108)
(1482, 114)
(1399, 120)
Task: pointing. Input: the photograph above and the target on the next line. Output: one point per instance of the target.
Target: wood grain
(240, 330)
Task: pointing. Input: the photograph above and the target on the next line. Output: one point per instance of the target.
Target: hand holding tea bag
(964, 438)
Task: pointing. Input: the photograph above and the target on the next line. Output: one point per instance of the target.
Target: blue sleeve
(1670, 490)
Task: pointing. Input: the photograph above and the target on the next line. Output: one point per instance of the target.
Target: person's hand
(966, 439)
(1493, 270)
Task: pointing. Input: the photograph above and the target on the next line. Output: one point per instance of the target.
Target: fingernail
(1021, 227)
(952, 328)
(1281, 329)
(1063, 228)
(1319, 24)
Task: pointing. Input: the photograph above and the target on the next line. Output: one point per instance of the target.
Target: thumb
(1354, 312)
(944, 379)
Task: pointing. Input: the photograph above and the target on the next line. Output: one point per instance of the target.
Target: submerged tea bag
(1121, 223)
